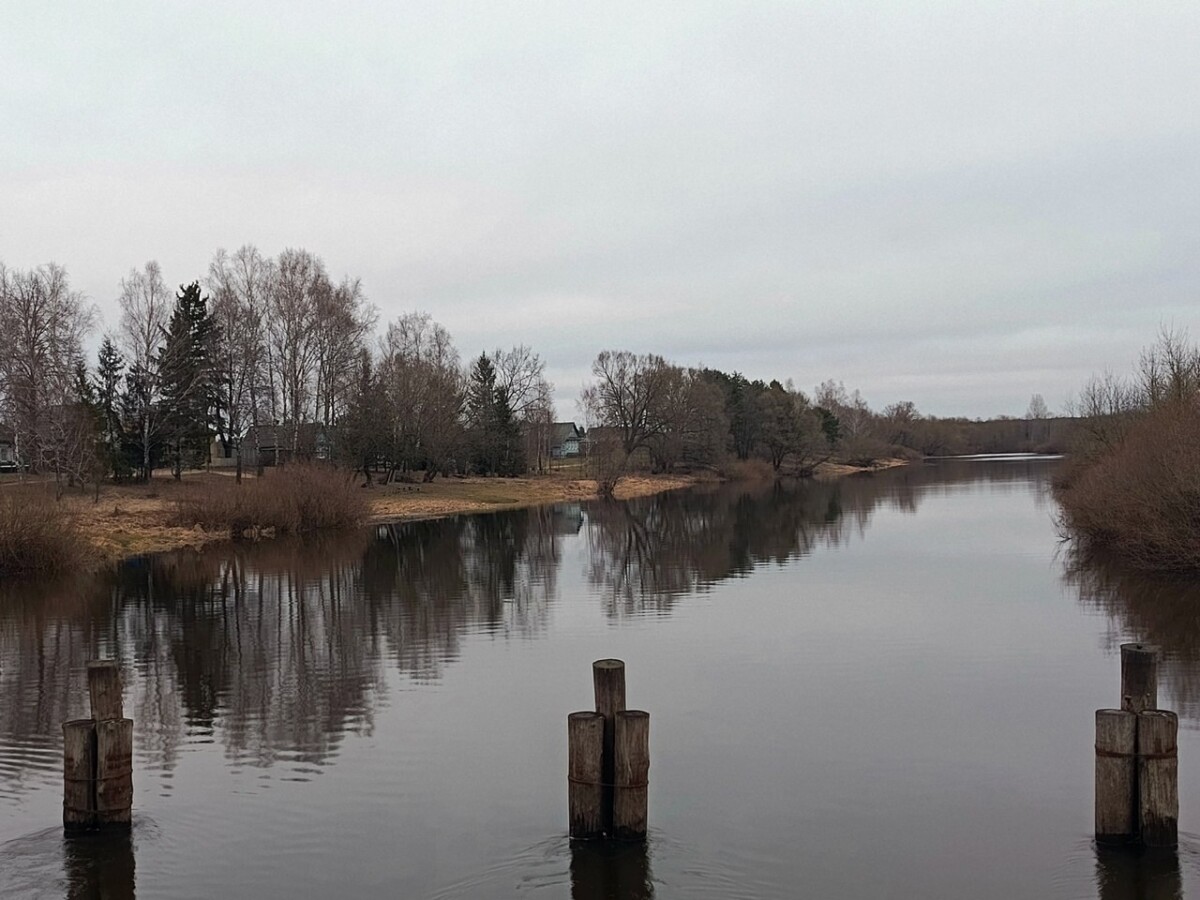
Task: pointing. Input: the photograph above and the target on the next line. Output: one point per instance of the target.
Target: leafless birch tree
(146, 306)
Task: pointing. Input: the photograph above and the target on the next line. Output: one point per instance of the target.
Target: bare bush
(37, 534)
(297, 499)
(1141, 498)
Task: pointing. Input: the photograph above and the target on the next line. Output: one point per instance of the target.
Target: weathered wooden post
(608, 681)
(1137, 770)
(114, 772)
(1158, 777)
(585, 782)
(608, 761)
(631, 766)
(104, 689)
(98, 756)
(1116, 776)
(1139, 677)
(79, 756)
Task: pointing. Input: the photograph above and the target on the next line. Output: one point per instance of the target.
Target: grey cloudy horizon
(954, 204)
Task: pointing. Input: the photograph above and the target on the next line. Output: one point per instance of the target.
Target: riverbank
(128, 520)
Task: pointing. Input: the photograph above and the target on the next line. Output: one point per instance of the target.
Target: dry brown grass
(295, 499)
(37, 534)
(1141, 499)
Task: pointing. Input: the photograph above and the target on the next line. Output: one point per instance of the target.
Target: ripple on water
(29, 760)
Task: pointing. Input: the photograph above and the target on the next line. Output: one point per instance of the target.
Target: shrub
(1140, 499)
(292, 500)
(37, 534)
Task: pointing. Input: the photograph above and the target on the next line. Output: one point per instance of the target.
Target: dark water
(879, 687)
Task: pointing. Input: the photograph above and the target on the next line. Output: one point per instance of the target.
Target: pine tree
(187, 380)
(481, 417)
(362, 431)
(109, 365)
(510, 456)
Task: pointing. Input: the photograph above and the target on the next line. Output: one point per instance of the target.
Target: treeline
(271, 359)
(259, 349)
(665, 415)
(1132, 490)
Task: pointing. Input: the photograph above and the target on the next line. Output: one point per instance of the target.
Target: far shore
(135, 519)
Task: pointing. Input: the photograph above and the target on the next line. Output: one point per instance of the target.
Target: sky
(958, 204)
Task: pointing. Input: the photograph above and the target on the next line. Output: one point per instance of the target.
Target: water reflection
(100, 867)
(646, 553)
(604, 871)
(1131, 873)
(281, 650)
(1144, 609)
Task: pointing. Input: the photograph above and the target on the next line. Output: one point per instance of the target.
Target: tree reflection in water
(274, 648)
(283, 648)
(644, 554)
(1152, 611)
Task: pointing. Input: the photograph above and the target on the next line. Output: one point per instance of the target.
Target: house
(269, 445)
(565, 440)
(8, 449)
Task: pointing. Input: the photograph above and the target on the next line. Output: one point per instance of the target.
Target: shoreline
(133, 520)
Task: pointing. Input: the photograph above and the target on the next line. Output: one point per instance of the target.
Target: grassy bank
(206, 506)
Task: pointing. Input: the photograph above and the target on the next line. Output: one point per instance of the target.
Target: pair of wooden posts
(98, 757)
(1137, 766)
(608, 762)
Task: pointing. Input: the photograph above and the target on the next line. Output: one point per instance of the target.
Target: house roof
(564, 431)
(7, 434)
(308, 434)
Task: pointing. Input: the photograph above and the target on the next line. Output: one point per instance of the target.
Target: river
(881, 686)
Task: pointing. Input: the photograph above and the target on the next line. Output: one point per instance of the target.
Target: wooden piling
(114, 772)
(585, 788)
(79, 754)
(631, 767)
(608, 681)
(1139, 677)
(98, 756)
(104, 688)
(1116, 775)
(1158, 777)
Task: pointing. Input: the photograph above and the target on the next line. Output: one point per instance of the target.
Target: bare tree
(423, 383)
(344, 321)
(628, 396)
(292, 327)
(146, 306)
(521, 373)
(240, 285)
(691, 410)
(1169, 370)
(42, 327)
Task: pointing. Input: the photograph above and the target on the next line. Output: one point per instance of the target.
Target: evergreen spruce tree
(362, 431)
(187, 380)
(510, 457)
(109, 365)
(481, 417)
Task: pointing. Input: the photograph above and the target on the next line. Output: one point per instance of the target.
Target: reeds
(295, 499)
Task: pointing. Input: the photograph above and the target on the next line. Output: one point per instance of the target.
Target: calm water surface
(879, 687)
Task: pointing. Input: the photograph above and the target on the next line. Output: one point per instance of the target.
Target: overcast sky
(958, 204)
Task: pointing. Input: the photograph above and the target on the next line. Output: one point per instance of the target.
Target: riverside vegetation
(1132, 488)
(271, 360)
